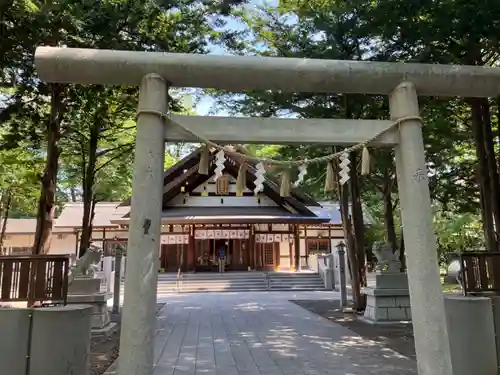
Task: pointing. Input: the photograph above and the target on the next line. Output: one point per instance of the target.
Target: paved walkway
(262, 333)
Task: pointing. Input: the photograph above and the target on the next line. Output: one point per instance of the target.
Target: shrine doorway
(270, 255)
(238, 255)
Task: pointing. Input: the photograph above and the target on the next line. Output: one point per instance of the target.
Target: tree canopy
(74, 143)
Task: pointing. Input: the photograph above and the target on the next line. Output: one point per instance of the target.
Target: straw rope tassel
(330, 178)
(285, 184)
(365, 161)
(241, 181)
(204, 161)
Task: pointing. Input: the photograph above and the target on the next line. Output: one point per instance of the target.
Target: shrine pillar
(426, 294)
(139, 307)
(252, 246)
(296, 244)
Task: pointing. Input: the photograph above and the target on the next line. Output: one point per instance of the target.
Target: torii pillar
(139, 305)
(426, 294)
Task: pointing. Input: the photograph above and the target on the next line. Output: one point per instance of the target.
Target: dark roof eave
(243, 220)
(107, 226)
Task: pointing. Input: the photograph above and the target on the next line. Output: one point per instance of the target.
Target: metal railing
(34, 278)
(480, 273)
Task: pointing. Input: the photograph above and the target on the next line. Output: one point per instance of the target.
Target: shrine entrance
(155, 72)
(206, 255)
(238, 255)
(270, 255)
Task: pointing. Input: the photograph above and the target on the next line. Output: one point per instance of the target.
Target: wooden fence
(34, 278)
(480, 273)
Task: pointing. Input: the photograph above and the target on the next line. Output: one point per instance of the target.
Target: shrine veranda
(154, 73)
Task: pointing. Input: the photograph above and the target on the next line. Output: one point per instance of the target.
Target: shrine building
(260, 232)
(200, 213)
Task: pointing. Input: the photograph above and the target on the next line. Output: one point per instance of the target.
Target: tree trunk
(353, 231)
(92, 215)
(483, 174)
(358, 225)
(352, 260)
(390, 230)
(46, 203)
(72, 191)
(2, 216)
(343, 199)
(498, 127)
(495, 184)
(402, 258)
(492, 165)
(88, 188)
(350, 245)
(5, 216)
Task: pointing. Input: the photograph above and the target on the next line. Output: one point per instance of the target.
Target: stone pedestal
(43, 341)
(84, 285)
(472, 336)
(86, 291)
(388, 299)
(60, 341)
(14, 340)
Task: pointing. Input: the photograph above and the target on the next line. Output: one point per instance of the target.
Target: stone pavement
(262, 334)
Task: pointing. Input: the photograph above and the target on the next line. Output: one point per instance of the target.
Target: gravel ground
(104, 350)
(396, 337)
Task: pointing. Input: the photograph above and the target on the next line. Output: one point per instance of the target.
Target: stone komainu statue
(87, 264)
(386, 260)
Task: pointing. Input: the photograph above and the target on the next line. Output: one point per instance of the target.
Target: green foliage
(457, 233)
(448, 31)
(94, 119)
(385, 30)
(19, 171)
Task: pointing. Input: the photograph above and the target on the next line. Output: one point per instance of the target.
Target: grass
(450, 288)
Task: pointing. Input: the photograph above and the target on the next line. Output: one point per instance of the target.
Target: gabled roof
(233, 215)
(28, 226)
(104, 213)
(297, 193)
(184, 176)
(331, 209)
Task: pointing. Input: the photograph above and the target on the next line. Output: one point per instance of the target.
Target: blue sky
(205, 104)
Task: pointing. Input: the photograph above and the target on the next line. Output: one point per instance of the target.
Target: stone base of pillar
(472, 336)
(86, 291)
(387, 299)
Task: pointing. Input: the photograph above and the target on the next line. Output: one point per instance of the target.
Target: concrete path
(262, 333)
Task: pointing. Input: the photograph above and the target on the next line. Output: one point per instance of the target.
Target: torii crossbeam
(155, 72)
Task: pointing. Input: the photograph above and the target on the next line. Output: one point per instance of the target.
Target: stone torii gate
(156, 72)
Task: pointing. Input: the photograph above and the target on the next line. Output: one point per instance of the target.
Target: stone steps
(298, 281)
(238, 282)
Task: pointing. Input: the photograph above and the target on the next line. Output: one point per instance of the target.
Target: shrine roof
(104, 213)
(184, 177)
(232, 215)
